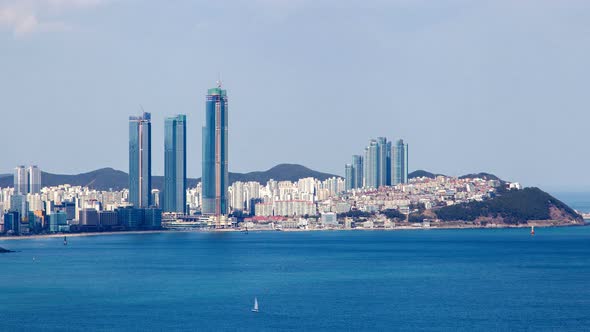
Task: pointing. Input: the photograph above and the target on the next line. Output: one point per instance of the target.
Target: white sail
(255, 309)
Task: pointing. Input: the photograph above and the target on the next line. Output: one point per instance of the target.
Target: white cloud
(24, 17)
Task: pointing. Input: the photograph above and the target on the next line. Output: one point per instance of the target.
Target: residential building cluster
(68, 208)
(337, 211)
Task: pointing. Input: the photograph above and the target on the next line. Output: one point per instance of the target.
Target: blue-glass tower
(382, 161)
(215, 153)
(371, 165)
(357, 171)
(175, 164)
(140, 160)
(348, 177)
(400, 163)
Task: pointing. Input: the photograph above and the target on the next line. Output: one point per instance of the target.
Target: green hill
(512, 207)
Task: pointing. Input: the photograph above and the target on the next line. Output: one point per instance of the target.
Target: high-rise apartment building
(357, 169)
(400, 163)
(382, 154)
(21, 181)
(34, 179)
(175, 164)
(215, 153)
(349, 177)
(140, 160)
(371, 165)
(383, 164)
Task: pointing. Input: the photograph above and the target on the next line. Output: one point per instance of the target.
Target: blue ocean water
(443, 280)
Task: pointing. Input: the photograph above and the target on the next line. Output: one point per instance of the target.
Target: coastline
(399, 228)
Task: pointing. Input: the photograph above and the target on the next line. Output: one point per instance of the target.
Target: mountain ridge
(109, 178)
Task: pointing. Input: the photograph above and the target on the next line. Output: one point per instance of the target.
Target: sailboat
(255, 309)
(65, 241)
(532, 230)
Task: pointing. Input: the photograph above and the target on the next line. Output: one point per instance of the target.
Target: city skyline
(487, 89)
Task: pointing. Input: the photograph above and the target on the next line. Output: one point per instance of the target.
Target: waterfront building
(88, 217)
(175, 164)
(215, 153)
(329, 219)
(57, 221)
(152, 218)
(400, 163)
(12, 222)
(21, 181)
(348, 176)
(34, 174)
(107, 218)
(371, 165)
(140, 160)
(130, 217)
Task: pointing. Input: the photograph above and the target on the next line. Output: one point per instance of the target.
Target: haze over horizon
(494, 86)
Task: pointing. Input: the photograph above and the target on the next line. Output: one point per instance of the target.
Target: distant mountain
(422, 174)
(281, 172)
(481, 175)
(108, 178)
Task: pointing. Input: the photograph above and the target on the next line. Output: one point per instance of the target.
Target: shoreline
(400, 228)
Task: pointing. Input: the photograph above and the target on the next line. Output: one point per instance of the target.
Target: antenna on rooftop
(219, 79)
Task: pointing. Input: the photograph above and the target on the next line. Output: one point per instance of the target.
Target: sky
(497, 86)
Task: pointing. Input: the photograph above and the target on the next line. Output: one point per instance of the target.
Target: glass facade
(215, 177)
(371, 166)
(140, 160)
(34, 179)
(400, 163)
(357, 169)
(21, 181)
(348, 177)
(382, 161)
(175, 164)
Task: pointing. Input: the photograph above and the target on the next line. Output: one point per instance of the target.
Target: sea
(411, 280)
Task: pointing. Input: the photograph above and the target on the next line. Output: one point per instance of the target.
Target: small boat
(65, 241)
(532, 230)
(255, 309)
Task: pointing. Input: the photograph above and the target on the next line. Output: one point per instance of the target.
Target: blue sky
(496, 86)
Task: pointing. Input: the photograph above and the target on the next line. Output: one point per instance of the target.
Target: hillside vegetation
(512, 207)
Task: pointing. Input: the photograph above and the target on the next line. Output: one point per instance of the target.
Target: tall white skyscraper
(34, 179)
(21, 181)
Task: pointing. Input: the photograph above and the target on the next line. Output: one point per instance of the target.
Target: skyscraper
(371, 165)
(399, 163)
(349, 176)
(382, 161)
(215, 152)
(34, 179)
(140, 160)
(175, 164)
(21, 181)
(357, 169)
